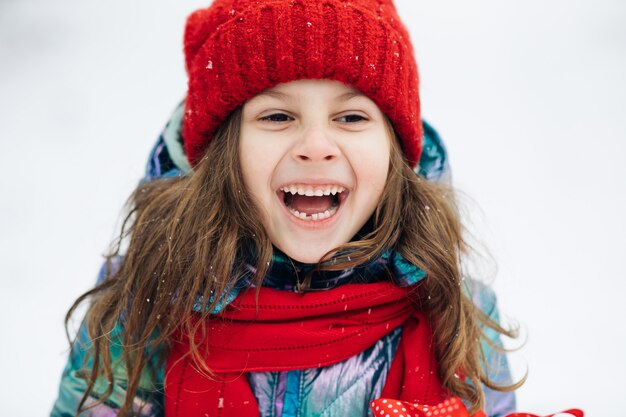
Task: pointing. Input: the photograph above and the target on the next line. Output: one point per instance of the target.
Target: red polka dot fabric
(453, 407)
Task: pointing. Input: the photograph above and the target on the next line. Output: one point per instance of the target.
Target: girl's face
(314, 156)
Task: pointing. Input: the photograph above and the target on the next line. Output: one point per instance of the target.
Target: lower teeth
(315, 216)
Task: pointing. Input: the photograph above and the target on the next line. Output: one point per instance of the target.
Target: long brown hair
(189, 236)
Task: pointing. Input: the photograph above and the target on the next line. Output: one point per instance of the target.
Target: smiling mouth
(313, 203)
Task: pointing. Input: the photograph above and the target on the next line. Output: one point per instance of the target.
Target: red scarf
(289, 331)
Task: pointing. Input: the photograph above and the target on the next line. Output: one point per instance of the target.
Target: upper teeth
(310, 191)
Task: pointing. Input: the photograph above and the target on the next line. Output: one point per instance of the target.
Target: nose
(315, 145)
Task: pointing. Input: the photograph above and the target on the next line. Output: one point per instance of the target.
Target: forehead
(294, 90)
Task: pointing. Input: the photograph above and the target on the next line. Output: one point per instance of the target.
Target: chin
(306, 255)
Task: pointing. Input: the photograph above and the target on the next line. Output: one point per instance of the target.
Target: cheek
(253, 156)
(372, 165)
(248, 169)
(258, 164)
(252, 169)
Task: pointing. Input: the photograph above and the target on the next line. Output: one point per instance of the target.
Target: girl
(283, 257)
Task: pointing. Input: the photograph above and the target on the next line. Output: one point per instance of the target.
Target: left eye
(350, 118)
(276, 118)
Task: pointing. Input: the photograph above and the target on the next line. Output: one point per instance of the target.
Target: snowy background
(529, 96)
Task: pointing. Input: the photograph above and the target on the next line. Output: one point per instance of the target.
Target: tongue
(311, 205)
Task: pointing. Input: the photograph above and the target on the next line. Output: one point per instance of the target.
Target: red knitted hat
(235, 49)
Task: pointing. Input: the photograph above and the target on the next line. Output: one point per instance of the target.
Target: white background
(530, 97)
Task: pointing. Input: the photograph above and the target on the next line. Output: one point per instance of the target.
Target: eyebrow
(273, 93)
(281, 96)
(350, 95)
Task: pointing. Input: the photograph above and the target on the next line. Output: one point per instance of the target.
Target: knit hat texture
(235, 49)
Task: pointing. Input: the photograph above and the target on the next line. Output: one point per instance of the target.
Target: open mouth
(313, 203)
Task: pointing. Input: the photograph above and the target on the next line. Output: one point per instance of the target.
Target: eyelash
(352, 116)
(272, 118)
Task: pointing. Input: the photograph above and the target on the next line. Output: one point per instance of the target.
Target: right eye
(276, 118)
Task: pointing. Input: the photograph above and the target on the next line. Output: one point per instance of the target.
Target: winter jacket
(342, 389)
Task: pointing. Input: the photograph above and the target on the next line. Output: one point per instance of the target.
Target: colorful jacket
(342, 389)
